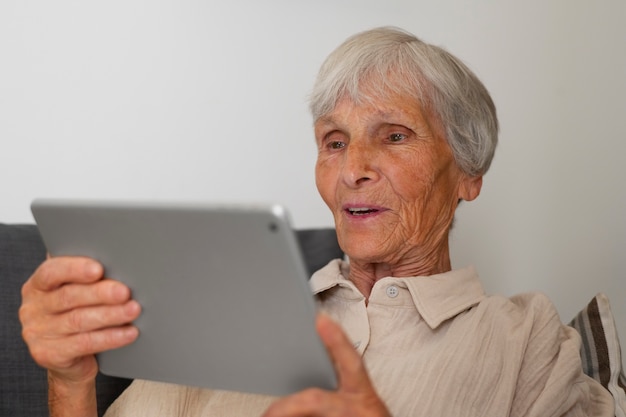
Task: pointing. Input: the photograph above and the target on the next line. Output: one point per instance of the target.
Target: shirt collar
(437, 298)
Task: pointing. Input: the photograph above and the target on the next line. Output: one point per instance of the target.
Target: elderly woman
(404, 132)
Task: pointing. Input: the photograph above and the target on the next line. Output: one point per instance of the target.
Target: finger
(63, 353)
(57, 271)
(56, 327)
(72, 296)
(94, 318)
(349, 366)
(308, 403)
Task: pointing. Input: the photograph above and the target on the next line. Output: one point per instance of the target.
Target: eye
(335, 144)
(397, 137)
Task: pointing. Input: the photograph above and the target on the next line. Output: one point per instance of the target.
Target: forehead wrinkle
(392, 109)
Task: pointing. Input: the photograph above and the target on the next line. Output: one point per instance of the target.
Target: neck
(364, 274)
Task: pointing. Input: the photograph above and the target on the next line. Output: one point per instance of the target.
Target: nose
(359, 164)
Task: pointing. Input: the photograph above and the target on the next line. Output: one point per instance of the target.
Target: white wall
(207, 101)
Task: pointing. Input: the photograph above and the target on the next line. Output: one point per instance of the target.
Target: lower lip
(363, 216)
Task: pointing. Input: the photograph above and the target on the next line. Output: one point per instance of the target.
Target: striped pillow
(600, 350)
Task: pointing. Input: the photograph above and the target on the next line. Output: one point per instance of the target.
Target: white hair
(389, 60)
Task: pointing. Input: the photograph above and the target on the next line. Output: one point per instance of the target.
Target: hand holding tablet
(224, 292)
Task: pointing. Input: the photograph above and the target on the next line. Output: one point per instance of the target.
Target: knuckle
(29, 336)
(27, 288)
(24, 314)
(44, 275)
(87, 342)
(84, 320)
(32, 331)
(65, 298)
(75, 321)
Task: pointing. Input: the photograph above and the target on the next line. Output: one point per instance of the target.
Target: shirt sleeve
(551, 381)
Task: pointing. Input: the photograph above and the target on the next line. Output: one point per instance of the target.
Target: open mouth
(361, 211)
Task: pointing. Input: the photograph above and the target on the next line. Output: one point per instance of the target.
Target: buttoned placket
(389, 292)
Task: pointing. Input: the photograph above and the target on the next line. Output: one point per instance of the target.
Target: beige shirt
(434, 346)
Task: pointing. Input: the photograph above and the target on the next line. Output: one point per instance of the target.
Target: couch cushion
(21, 380)
(318, 246)
(600, 349)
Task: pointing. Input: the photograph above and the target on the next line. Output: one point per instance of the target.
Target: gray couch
(23, 387)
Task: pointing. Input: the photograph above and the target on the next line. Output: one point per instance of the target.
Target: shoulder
(529, 312)
(528, 325)
(526, 303)
(513, 329)
(535, 304)
(549, 377)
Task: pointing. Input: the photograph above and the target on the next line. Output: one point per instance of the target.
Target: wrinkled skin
(390, 160)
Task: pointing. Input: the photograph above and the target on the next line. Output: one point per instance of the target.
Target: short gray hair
(391, 60)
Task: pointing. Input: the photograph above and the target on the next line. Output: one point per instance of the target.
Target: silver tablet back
(225, 297)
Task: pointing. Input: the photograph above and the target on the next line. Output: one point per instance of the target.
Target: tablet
(224, 293)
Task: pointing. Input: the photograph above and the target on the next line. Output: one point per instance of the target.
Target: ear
(470, 187)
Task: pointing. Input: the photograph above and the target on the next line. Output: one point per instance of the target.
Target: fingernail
(93, 269)
(132, 308)
(128, 333)
(119, 291)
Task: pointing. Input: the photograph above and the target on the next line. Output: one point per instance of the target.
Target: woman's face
(388, 175)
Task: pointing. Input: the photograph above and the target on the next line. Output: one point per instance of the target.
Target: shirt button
(392, 291)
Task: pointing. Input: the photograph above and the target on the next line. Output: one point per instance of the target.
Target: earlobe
(470, 187)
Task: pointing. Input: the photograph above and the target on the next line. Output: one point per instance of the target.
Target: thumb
(349, 366)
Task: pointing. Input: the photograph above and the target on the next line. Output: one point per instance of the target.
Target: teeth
(360, 210)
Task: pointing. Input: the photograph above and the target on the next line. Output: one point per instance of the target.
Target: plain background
(207, 101)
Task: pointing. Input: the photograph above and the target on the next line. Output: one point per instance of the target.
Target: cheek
(411, 179)
(324, 182)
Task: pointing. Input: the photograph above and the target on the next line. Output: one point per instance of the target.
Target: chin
(360, 247)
